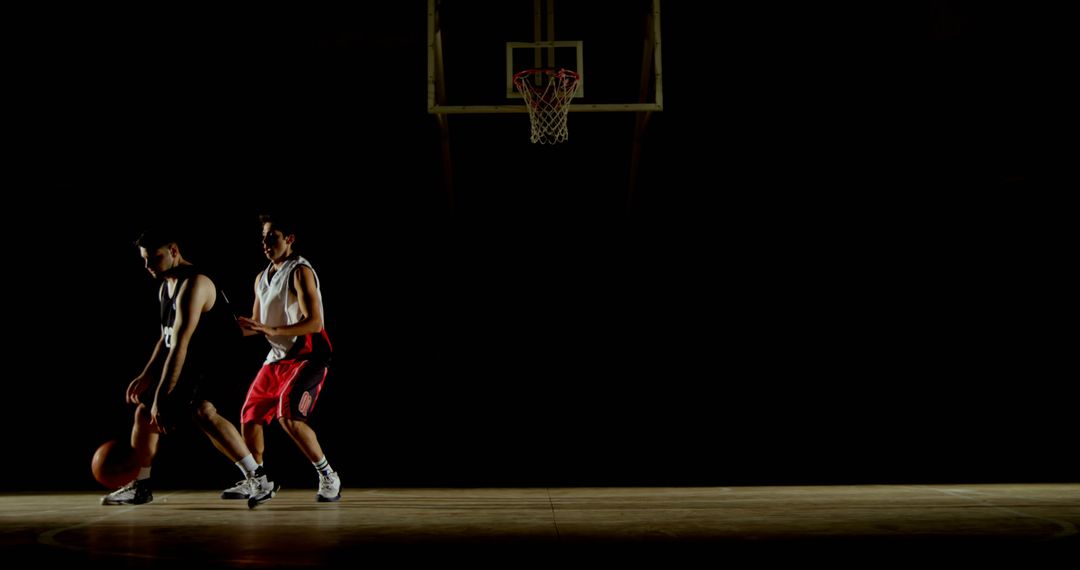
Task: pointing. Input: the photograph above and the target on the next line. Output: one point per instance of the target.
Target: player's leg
(254, 439)
(144, 437)
(144, 440)
(227, 439)
(224, 435)
(260, 407)
(308, 442)
(297, 404)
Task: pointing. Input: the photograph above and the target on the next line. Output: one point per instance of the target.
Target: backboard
(476, 46)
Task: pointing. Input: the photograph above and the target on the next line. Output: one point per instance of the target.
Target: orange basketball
(114, 464)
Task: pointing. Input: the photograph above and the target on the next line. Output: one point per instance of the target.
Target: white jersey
(280, 306)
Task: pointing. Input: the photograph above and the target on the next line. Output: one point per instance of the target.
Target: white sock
(144, 473)
(323, 467)
(247, 465)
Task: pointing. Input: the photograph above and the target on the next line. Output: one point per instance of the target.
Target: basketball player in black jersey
(196, 331)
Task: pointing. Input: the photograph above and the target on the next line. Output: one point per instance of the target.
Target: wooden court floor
(513, 527)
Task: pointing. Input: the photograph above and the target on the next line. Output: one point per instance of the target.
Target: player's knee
(203, 411)
(142, 414)
(290, 425)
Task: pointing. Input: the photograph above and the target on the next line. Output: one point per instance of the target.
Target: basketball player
(288, 311)
(196, 328)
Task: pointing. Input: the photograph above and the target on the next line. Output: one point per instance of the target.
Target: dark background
(836, 267)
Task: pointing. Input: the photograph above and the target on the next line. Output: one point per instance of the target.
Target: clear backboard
(475, 47)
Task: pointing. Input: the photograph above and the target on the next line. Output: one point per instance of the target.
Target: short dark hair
(155, 238)
(285, 224)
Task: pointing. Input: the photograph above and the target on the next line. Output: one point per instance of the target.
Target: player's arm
(195, 296)
(250, 325)
(311, 320)
(141, 382)
(311, 312)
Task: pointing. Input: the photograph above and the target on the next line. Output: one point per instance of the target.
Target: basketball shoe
(329, 488)
(262, 489)
(134, 493)
(242, 490)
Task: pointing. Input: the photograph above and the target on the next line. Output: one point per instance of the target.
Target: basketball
(114, 464)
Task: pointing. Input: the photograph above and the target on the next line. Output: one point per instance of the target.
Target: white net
(547, 94)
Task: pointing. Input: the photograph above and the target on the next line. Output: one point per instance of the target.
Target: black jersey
(214, 342)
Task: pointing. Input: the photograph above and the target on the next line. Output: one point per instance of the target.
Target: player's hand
(252, 325)
(157, 418)
(135, 388)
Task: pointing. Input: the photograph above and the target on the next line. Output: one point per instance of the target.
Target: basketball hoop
(547, 98)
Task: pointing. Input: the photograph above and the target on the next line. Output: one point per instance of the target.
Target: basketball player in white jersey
(288, 311)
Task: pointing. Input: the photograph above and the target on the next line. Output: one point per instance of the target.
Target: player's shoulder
(202, 279)
(301, 266)
(196, 282)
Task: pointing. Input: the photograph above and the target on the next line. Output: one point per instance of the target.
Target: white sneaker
(242, 490)
(329, 488)
(134, 493)
(262, 489)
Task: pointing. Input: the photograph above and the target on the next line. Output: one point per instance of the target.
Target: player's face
(275, 244)
(158, 261)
